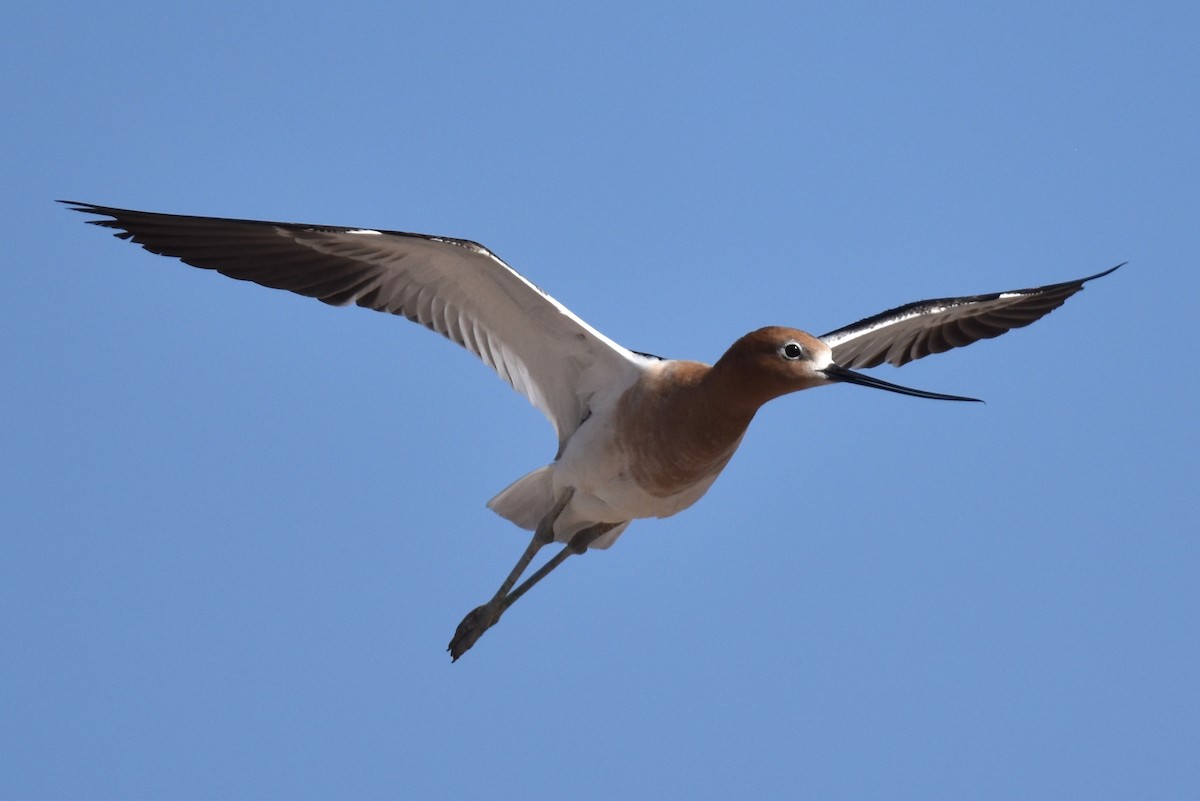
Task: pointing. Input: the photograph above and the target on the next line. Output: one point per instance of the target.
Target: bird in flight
(638, 436)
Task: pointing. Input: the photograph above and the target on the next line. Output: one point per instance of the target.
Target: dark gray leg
(578, 544)
(481, 618)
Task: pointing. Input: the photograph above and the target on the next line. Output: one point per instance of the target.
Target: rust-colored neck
(680, 425)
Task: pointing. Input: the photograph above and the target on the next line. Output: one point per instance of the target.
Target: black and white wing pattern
(915, 330)
(455, 287)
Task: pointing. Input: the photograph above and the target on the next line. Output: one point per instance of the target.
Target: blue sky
(239, 527)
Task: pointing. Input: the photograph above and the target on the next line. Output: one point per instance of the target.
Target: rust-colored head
(777, 360)
(773, 361)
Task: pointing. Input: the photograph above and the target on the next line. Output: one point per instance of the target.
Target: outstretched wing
(918, 329)
(457, 288)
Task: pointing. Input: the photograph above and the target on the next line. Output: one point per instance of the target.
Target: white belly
(605, 489)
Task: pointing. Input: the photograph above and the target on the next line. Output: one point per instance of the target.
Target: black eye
(792, 351)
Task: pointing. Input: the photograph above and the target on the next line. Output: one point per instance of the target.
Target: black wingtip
(89, 208)
(1101, 275)
(111, 217)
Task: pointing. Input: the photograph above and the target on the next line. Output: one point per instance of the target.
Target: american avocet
(638, 436)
